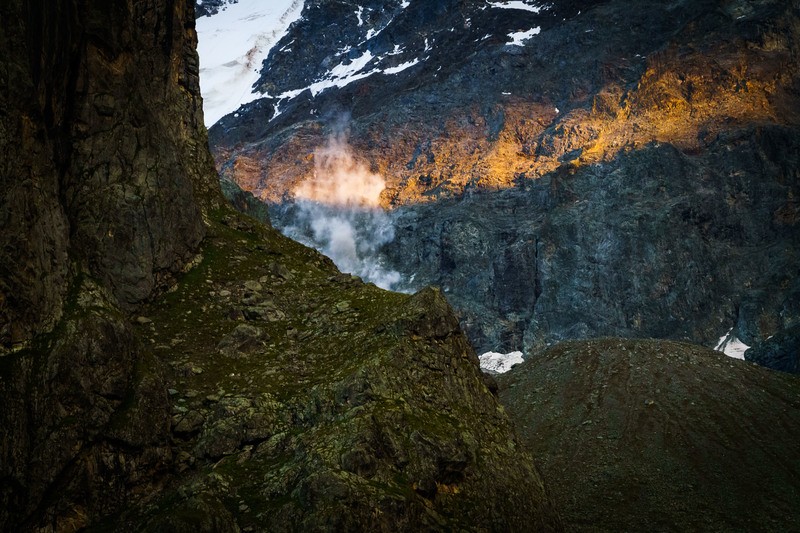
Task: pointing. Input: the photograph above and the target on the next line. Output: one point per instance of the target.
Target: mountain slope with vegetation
(635, 435)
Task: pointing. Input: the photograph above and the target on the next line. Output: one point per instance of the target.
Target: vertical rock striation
(105, 180)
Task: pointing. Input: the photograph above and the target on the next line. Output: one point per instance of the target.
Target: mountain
(169, 364)
(644, 435)
(563, 170)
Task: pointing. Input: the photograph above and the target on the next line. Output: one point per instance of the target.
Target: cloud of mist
(338, 212)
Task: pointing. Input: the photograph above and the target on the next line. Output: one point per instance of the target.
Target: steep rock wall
(105, 182)
(107, 155)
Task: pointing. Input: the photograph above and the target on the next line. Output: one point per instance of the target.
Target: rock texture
(302, 398)
(628, 171)
(659, 436)
(105, 183)
(106, 179)
(781, 351)
(170, 364)
(658, 243)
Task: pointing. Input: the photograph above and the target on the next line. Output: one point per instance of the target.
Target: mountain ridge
(597, 91)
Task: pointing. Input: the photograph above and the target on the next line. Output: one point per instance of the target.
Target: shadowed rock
(659, 436)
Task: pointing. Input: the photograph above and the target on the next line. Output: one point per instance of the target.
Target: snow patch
(515, 5)
(401, 67)
(342, 75)
(500, 362)
(232, 46)
(518, 38)
(731, 346)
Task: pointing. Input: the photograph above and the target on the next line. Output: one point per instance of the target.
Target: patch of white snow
(518, 38)
(500, 362)
(515, 5)
(401, 67)
(731, 346)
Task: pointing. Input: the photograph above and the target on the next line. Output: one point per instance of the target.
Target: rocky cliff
(170, 364)
(660, 436)
(563, 171)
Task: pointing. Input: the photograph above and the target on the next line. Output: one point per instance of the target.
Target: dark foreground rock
(340, 407)
(660, 436)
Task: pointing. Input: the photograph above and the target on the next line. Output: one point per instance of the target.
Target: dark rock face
(109, 185)
(780, 352)
(103, 193)
(205, 8)
(657, 244)
(632, 170)
(659, 436)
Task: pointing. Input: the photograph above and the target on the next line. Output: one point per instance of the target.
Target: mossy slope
(304, 398)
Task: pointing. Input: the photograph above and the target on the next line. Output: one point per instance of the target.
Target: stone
(253, 286)
(191, 422)
(244, 339)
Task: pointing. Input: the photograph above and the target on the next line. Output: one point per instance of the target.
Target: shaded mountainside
(660, 436)
(630, 169)
(170, 364)
(304, 399)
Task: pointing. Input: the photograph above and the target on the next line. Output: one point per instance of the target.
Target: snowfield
(499, 362)
(731, 346)
(232, 46)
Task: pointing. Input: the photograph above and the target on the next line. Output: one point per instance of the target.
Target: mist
(338, 212)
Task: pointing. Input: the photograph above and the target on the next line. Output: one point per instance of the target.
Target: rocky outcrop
(628, 171)
(304, 398)
(104, 190)
(659, 436)
(170, 364)
(659, 243)
(111, 170)
(780, 352)
(204, 8)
